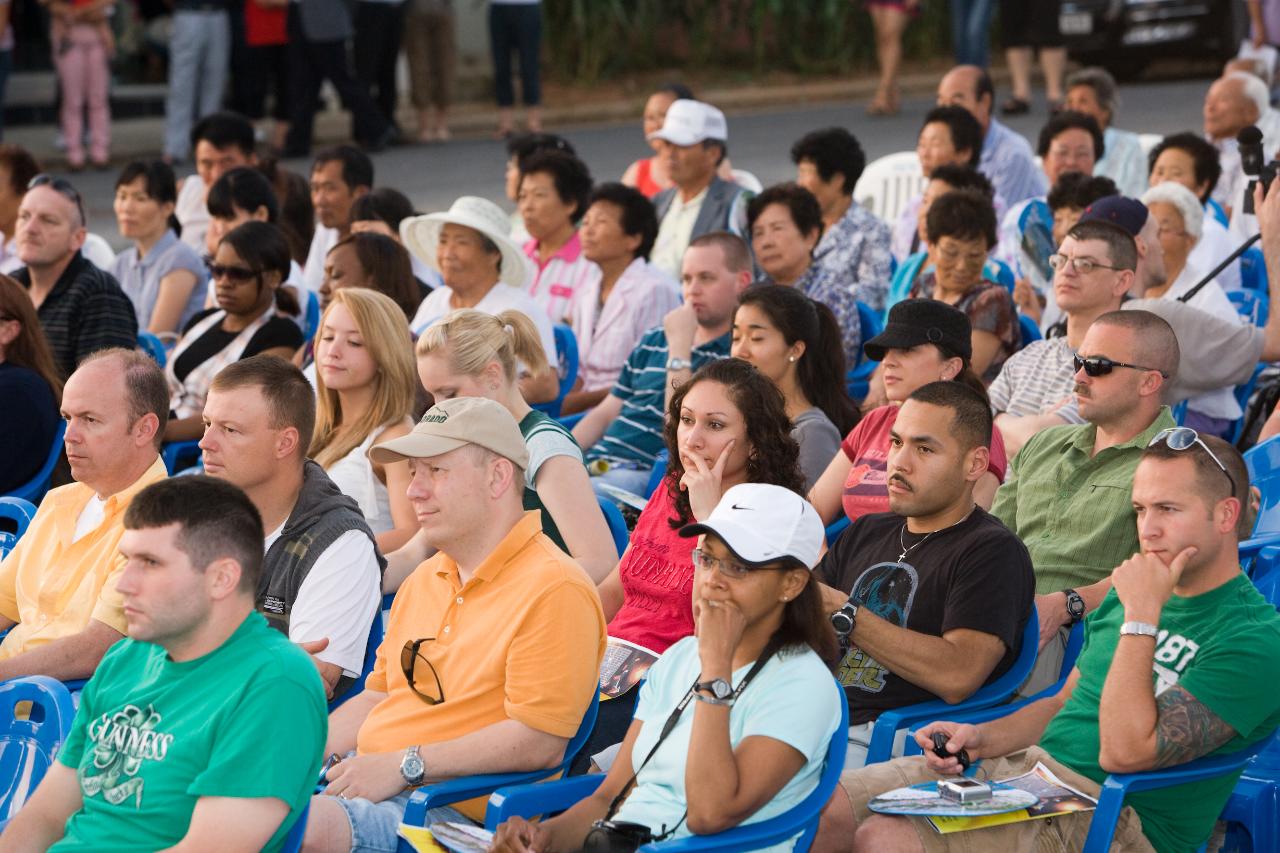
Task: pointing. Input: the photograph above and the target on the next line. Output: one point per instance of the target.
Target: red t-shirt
(264, 27)
(657, 580)
(867, 447)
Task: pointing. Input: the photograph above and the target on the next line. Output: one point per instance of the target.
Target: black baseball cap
(913, 322)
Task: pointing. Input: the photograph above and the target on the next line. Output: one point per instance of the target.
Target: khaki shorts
(1048, 835)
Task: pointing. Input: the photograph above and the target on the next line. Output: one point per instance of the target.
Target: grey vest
(321, 514)
(715, 211)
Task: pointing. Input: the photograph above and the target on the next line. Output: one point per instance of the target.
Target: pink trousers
(85, 75)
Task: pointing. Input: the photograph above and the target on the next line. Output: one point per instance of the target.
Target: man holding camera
(934, 595)
(1180, 663)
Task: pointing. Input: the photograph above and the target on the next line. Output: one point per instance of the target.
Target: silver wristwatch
(721, 692)
(679, 364)
(412, 768)
(1141, 629)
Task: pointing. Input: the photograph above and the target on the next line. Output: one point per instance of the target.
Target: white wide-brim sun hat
(421, 236)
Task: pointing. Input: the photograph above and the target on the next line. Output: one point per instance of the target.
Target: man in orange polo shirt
(493, 648)
(58, 585)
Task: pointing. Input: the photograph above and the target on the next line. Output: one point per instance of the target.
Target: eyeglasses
(1182, 438)
(239, 275)
(728, 568)
(954, 258)
(1084, 266)
(409, 656)
(63, 188)
(1100, 365)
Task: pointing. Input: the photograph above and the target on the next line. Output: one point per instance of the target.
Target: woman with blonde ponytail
(469, 353)
(364, 393)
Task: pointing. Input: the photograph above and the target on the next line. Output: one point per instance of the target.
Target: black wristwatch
(1075, 605)
(845, 619)
(721, 691)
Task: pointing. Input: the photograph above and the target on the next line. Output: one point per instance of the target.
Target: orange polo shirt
(52, 586)
(521, 640)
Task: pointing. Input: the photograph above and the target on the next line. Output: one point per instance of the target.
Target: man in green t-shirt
(204, 724)
(1181, 661)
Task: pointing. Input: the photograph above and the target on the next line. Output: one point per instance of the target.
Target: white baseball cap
(763, 524)
(690, 122)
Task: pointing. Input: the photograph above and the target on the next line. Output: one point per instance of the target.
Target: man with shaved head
(1006, 155)
(1066, 494)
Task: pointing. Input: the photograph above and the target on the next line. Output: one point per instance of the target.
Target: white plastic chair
(887, 184)
(98, 251)
(747, 181)
(1148, 141)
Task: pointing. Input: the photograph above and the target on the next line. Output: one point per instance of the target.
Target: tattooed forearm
(1186, 729)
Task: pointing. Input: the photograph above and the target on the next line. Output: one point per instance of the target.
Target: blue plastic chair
(859, 376)
(28, 747)
(567, 362)
(835, 528)
(152, 346)
(370, 656)
(1253, 270)
(1118, 785)
(20, 512)
(660, 463)
(801, 819)
(617, 524)
(470, 787)
(311, 313)
(571, 421)
(33, 490)
(1179, 413)
(1242, 395)
(178, 455)
(887, 724)
(1030, 331)
(1263, 463)
(1253, 809)
(293, 841)
(1253, 305)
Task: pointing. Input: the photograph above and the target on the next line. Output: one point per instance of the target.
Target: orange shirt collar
(508, 549)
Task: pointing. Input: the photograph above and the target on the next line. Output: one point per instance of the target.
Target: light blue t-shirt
(140, 278)
(793, 699)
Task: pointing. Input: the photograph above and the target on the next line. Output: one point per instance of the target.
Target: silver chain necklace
(901, 533)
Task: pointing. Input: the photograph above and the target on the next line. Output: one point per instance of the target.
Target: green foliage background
(592, 40)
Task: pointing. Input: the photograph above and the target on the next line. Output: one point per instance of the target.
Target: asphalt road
(759, 142)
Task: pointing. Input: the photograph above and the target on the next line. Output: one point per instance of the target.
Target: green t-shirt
(152, 736)
(1223, 647)
(545, 437)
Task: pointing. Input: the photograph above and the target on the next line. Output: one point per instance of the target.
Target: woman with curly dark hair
(727, 425)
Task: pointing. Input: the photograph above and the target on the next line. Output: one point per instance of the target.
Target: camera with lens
(616, 836)
(1253, 162)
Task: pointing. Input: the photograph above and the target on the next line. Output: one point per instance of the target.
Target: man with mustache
(1067, 493)
(940, 590)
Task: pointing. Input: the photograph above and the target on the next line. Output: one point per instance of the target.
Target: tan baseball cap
(451, 424)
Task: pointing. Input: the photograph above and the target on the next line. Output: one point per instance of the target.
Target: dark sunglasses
(1183, 438)
(63, 188)
(1100, 365)
(240, 275)
(409, 656)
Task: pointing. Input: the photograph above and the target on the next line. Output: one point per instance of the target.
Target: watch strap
(717, 687)
(711, 700)
(679, 364)
(1075, 605)
(1142, 629)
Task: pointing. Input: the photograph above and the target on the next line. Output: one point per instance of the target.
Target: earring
(791, 358)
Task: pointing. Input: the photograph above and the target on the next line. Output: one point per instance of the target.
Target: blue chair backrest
(1253, 270)
(617, 524)
(152, 346)
(29, 746)
(872, 324)
(370, 656)
(1179, 413)
(311, 313)
(178, 455)
(567, 365)
(293, 841)
(1030, 331)
(1251, 304)
(1263, 462)
(20, 512)
(33, 490)
(659, 471)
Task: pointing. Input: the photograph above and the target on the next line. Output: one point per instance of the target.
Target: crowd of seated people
(1021, 460)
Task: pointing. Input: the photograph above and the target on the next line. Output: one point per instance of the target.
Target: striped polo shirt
(1035, 380)
(635, 436)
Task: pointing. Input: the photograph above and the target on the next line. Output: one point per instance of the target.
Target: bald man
(1007, 159)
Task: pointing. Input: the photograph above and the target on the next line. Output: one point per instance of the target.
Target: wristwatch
(721, 692)
(412, 768)
(679, 364)
(1075, 605)
(845, 619)
(1141, 629)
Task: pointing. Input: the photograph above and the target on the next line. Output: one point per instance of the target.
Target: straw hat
(421, 235)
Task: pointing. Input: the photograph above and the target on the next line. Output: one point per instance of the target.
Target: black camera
(1253, 163)
(616, 836)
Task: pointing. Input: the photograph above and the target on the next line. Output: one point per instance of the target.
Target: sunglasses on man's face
(1100, 365)
(63, 188)
(409, 656)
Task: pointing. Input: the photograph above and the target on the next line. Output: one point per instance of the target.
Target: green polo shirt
(1074, 510)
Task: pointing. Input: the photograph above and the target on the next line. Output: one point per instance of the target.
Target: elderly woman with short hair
(1093, 91)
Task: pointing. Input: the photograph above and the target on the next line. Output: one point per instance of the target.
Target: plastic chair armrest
(465, 788)
(888, 723)
(543, 798)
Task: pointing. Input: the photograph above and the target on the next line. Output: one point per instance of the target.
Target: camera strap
(1190, 294)
(670, 724)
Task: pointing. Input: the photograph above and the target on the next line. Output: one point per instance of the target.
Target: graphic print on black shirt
(887, 590)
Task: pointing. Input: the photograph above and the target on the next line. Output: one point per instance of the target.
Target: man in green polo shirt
(205, 729)
(1066, 493)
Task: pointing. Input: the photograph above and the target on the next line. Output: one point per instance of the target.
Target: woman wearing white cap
(482, 269)
(746, 741)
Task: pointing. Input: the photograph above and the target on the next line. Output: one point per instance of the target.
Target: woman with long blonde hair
(364, 394)
(469, 353)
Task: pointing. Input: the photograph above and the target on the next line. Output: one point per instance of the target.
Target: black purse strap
(670, 724)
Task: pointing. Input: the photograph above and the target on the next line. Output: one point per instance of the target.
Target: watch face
(412, 767)
(722, 689)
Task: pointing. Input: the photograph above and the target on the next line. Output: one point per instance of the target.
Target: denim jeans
(970, 31)
(199, 54)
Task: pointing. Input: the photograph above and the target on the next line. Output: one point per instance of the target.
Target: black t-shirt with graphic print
(976, 575)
